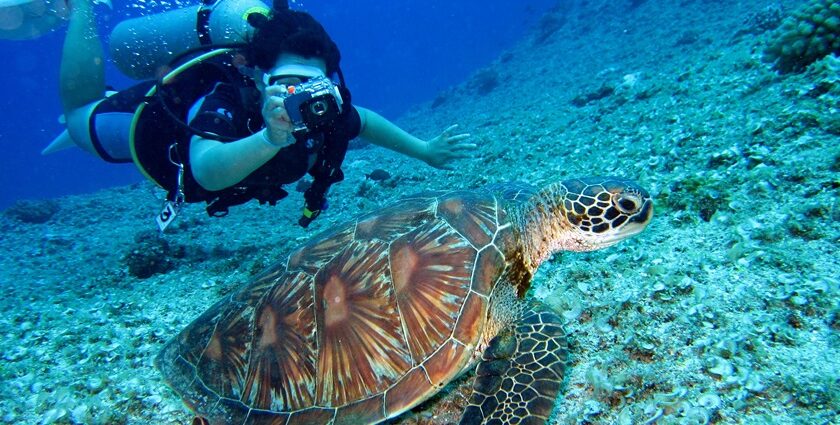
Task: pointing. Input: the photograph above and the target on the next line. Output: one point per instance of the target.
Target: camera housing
(312, 103)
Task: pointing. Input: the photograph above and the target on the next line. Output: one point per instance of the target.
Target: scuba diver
(225, 123)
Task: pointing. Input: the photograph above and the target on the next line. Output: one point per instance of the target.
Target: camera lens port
(319, 108)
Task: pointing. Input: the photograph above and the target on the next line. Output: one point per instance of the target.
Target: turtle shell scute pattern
(513, 191)
(357, 325)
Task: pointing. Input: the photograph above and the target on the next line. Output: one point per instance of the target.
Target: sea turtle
(374, 316)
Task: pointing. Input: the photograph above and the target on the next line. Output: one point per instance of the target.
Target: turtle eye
(627, 203)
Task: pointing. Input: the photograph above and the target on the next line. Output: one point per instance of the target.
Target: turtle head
(601, 211)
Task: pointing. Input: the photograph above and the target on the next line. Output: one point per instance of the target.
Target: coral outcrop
(810, 34)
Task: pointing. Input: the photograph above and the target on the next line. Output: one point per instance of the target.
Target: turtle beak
(633, 225)
(626, 224)
(638, 221)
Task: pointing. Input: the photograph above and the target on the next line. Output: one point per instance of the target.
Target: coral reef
(583, 99)
(808, 35)
(35, 212)
(485, 81)
(698, 195)
(766, 19)
(549, 24)
(150, 255)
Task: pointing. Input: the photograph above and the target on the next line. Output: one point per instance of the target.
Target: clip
(171, 208)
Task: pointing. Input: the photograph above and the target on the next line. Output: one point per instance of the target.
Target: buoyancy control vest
(159, 140)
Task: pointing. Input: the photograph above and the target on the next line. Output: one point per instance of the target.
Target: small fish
(378, 175)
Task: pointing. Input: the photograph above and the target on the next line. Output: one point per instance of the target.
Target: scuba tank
(143, 47)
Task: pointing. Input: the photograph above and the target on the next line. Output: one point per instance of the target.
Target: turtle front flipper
(520, 372)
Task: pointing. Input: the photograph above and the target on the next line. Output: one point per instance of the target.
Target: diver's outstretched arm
(82, 75)
(439, 152)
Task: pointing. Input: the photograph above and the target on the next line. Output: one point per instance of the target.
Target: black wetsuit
(222, 112)
(226, 112)
(227, 105)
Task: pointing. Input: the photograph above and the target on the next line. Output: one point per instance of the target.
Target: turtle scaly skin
(370, 319)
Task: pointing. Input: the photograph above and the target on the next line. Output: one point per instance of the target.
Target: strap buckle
(172, 207)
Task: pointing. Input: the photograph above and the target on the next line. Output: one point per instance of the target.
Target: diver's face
(293, 69)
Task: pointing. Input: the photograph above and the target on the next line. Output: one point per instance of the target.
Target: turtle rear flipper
(520, 372)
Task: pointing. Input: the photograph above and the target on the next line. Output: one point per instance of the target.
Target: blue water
(395, 54)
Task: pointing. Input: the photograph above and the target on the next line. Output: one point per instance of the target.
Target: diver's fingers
(274, 105)
(450, 129)
(464, 147)
(272, 102)
(275, 90)
(458, 137)
(458, 155)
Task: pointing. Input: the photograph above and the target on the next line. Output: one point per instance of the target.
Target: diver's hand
(447, 147)
(277, 122)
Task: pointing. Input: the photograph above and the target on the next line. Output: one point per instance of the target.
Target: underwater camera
(312, 103)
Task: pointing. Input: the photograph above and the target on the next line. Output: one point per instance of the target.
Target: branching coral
(807, 36)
